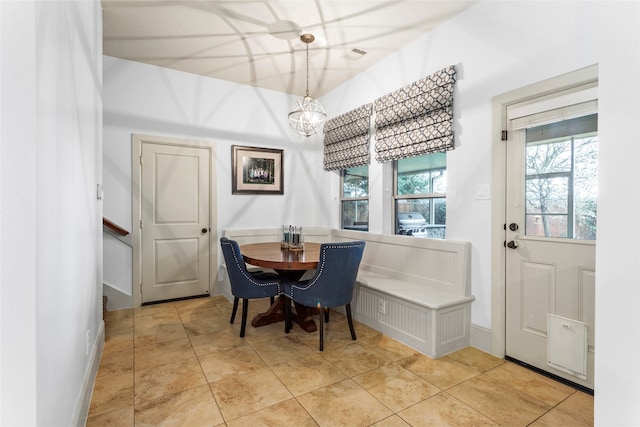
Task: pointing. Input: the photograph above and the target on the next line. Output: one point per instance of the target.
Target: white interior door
(550, 240)
(175, 221)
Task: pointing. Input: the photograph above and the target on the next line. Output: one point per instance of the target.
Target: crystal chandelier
(307, 115)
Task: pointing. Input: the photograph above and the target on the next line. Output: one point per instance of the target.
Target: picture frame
(257, 170)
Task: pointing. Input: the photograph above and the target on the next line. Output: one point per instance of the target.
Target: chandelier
(307, 115)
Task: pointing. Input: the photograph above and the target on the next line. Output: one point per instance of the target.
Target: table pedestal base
(302, 315)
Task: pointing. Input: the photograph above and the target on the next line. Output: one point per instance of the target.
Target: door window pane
(561, 179)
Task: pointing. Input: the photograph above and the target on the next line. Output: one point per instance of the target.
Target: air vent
(359, 51)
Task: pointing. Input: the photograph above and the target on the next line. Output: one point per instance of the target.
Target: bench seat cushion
(434, 296)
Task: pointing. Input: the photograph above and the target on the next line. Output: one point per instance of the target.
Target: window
(420, 195)
(355, 198)
(561, 179)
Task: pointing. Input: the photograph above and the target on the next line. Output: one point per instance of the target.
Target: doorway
(543, 297)
(174, 216)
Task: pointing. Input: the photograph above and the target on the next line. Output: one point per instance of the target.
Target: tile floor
(183, 364)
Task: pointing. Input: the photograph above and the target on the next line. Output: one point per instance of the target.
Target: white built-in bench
(414, 290)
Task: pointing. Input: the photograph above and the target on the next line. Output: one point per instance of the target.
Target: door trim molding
(498, 187)
(136, 213)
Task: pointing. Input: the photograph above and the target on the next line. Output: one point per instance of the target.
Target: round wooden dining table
(289, 264)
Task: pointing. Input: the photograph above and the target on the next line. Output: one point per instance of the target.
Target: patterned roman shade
(346, 139)
(416, 119)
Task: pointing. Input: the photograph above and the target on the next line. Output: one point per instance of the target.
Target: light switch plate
(483, 192)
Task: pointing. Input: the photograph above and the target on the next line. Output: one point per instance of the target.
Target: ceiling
(257, 42)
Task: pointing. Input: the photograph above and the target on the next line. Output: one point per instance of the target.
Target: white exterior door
(550, 240)
(175, 221)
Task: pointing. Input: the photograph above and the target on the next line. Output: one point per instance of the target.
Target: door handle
(513, 226)
(204, 230)
(512, 244)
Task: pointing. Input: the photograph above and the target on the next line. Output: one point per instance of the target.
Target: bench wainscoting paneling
(415, 290)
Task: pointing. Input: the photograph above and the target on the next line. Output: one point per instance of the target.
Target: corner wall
(617, 363)
(51, 227)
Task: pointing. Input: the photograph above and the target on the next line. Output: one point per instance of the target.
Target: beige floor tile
(117, 325)
(155, 311)
(118, 418)
(159, 331)
(204, 312)
(476, 359)
(119, 363)
(149, 319)
(118, 342)
(206, 324)
(501, 403)
(287, 413)
(196, 304)
(221, 364)
(443, 372)
(175, 377)
(225, 340)
(304, 374)
(542, 388)
(110, 393)
(354, 359)
(193, 407)
(243, 394)
(220, 300)
(167, 379)
(153, 355)
(344, 404)
(388, 347)
(282, 348)
(579, 405)
(392, 421)
(396, 387)
(363, 331)
(557, 417)
(261, 333)
(443, 410)
(121, 317)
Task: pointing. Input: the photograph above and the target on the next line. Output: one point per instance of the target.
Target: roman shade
(416, 119)
(346, 139)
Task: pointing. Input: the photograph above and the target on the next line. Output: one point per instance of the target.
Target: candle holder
(286, 232)
(297, 240)
(292, 238)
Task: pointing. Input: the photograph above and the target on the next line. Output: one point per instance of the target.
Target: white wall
(145, 99)
(497, 46)
(617, 369)
(50, 219)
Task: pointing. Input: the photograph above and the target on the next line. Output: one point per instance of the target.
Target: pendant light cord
(307, 43)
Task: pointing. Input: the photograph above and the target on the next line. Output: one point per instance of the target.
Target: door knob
(513, 226)
(512, 244)
(204, 230)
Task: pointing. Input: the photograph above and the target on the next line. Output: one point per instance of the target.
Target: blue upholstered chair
(331, 286)
(245, 284)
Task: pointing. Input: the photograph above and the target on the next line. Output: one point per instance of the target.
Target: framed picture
(256, 170)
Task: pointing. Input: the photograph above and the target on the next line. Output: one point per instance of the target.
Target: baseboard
(481, 338)
(117, 300)
(84, 398)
